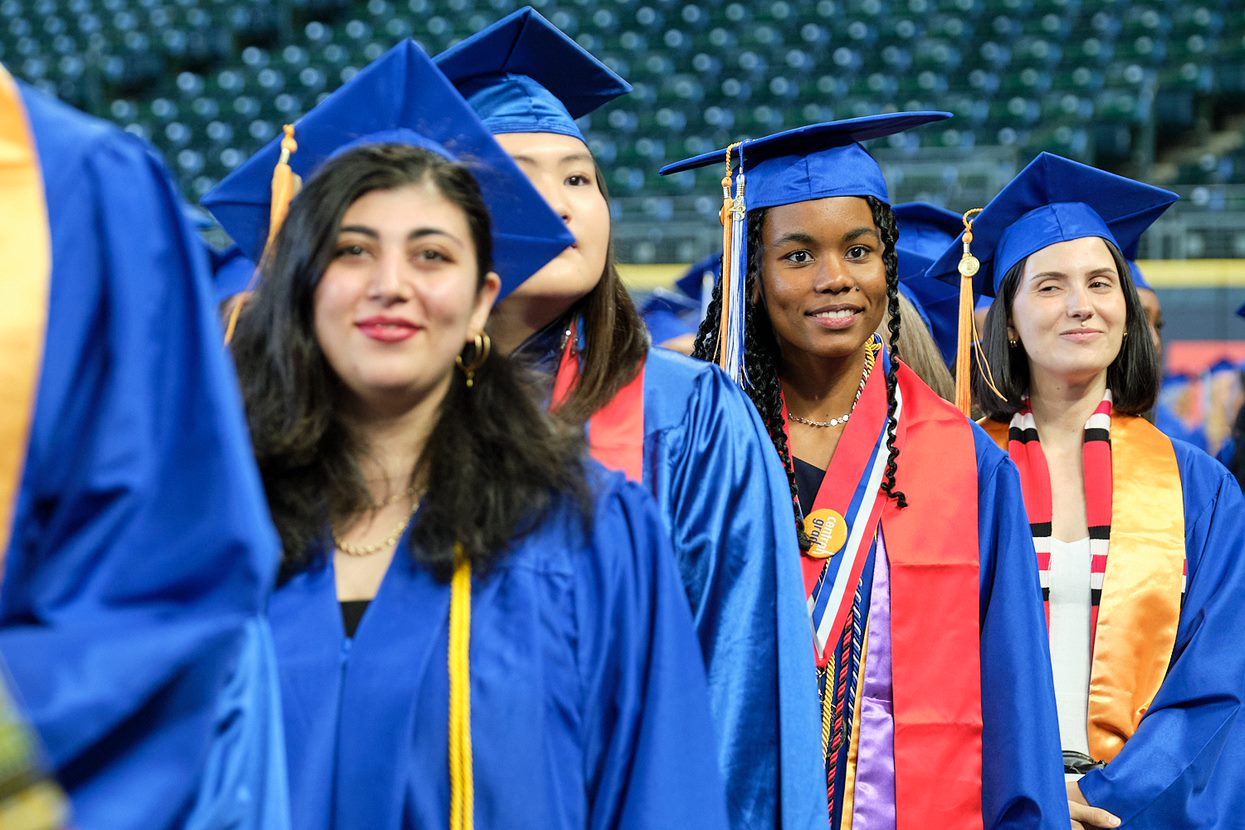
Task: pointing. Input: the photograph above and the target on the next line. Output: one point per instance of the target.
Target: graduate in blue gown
(1154, 732)
(931, 659)
(140, 554)
(677, 425)
(478, 627)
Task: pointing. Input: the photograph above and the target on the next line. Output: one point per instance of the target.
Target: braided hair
(761, 352)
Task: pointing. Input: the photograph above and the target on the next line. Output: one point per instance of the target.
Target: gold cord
(462, 774)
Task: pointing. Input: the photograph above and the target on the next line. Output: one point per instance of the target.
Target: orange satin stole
(26, 250)
(1140, 607)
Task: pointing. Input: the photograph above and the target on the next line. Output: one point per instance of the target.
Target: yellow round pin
(827, 529)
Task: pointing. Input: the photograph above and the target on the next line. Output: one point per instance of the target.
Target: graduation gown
(141, 553)
(1185, 764)
(726, 503)
(1021, 769)
(588, 700)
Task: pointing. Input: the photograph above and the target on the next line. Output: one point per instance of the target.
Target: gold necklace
(395, 498)
(871, 352)
(386, 543)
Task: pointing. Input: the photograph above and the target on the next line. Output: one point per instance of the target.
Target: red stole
(935, 564)
(616, 430)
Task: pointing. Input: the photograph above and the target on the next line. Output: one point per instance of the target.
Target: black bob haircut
(1133, 377)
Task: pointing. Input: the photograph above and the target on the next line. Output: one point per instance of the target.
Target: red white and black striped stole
(1025, 449)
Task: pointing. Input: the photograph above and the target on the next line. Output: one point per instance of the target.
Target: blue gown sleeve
(141, 553)
(649, 748)
(1022, 780)
(729, 505)
(1185, 765)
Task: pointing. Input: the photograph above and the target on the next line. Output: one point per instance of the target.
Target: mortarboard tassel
(734, 239)
(728, 264)
(285, 186)
(739, 242)
(968, 268)
(969, 339)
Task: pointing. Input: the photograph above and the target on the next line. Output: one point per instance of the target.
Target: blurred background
(1153, 89)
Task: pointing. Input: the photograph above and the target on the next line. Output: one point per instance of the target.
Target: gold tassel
(462, 775)
(728, 266)
(968, 267)
(285, 186)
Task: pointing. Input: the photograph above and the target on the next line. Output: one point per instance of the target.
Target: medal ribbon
(24, 293)
(616, 430)
(845, 517)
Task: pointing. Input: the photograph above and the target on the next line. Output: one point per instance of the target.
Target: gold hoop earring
(482, 345)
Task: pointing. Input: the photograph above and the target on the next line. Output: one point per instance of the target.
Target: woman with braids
(1139, 537)
(446, 550)
(936, 710)
(676, 424)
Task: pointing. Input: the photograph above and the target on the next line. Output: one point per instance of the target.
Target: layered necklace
(872, 347)
(389, 541)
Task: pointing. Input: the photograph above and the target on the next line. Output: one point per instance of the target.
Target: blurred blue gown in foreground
(141, 554)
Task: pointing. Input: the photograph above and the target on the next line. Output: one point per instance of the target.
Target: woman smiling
(1139, 537)
(935, 705)
(434, 517)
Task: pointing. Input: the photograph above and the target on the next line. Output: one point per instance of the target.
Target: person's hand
(1085, 817)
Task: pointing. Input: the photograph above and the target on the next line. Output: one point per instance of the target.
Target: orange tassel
(968, 268)
(285, 185)
(728, 267)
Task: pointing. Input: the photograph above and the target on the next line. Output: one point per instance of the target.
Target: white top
(1069, 639)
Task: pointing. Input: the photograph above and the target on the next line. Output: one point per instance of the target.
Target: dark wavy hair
(1133, 377)
(494, 462)
(761, 350)
(616, 340)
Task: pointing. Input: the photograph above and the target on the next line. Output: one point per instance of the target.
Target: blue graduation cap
(1223, 364)
(1139, 279)
(523, 75)
(1053, 200)
(669, 314)
(813, 162)
(925, 230)
(673, 313)
(401, 98)
(1176, 380)
(232, 273)
(700, 274)
(817, 161)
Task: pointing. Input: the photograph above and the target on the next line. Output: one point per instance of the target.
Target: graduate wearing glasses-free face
(401, 297)
(1069, 314)
(823, 278)
(564, 172)
(399, 301)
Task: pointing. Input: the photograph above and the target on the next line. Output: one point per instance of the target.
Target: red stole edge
(935, 562)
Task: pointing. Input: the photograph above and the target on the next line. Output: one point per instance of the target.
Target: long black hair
(761, 358)
(494, 462)
(1133, 377)
(616, 340)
